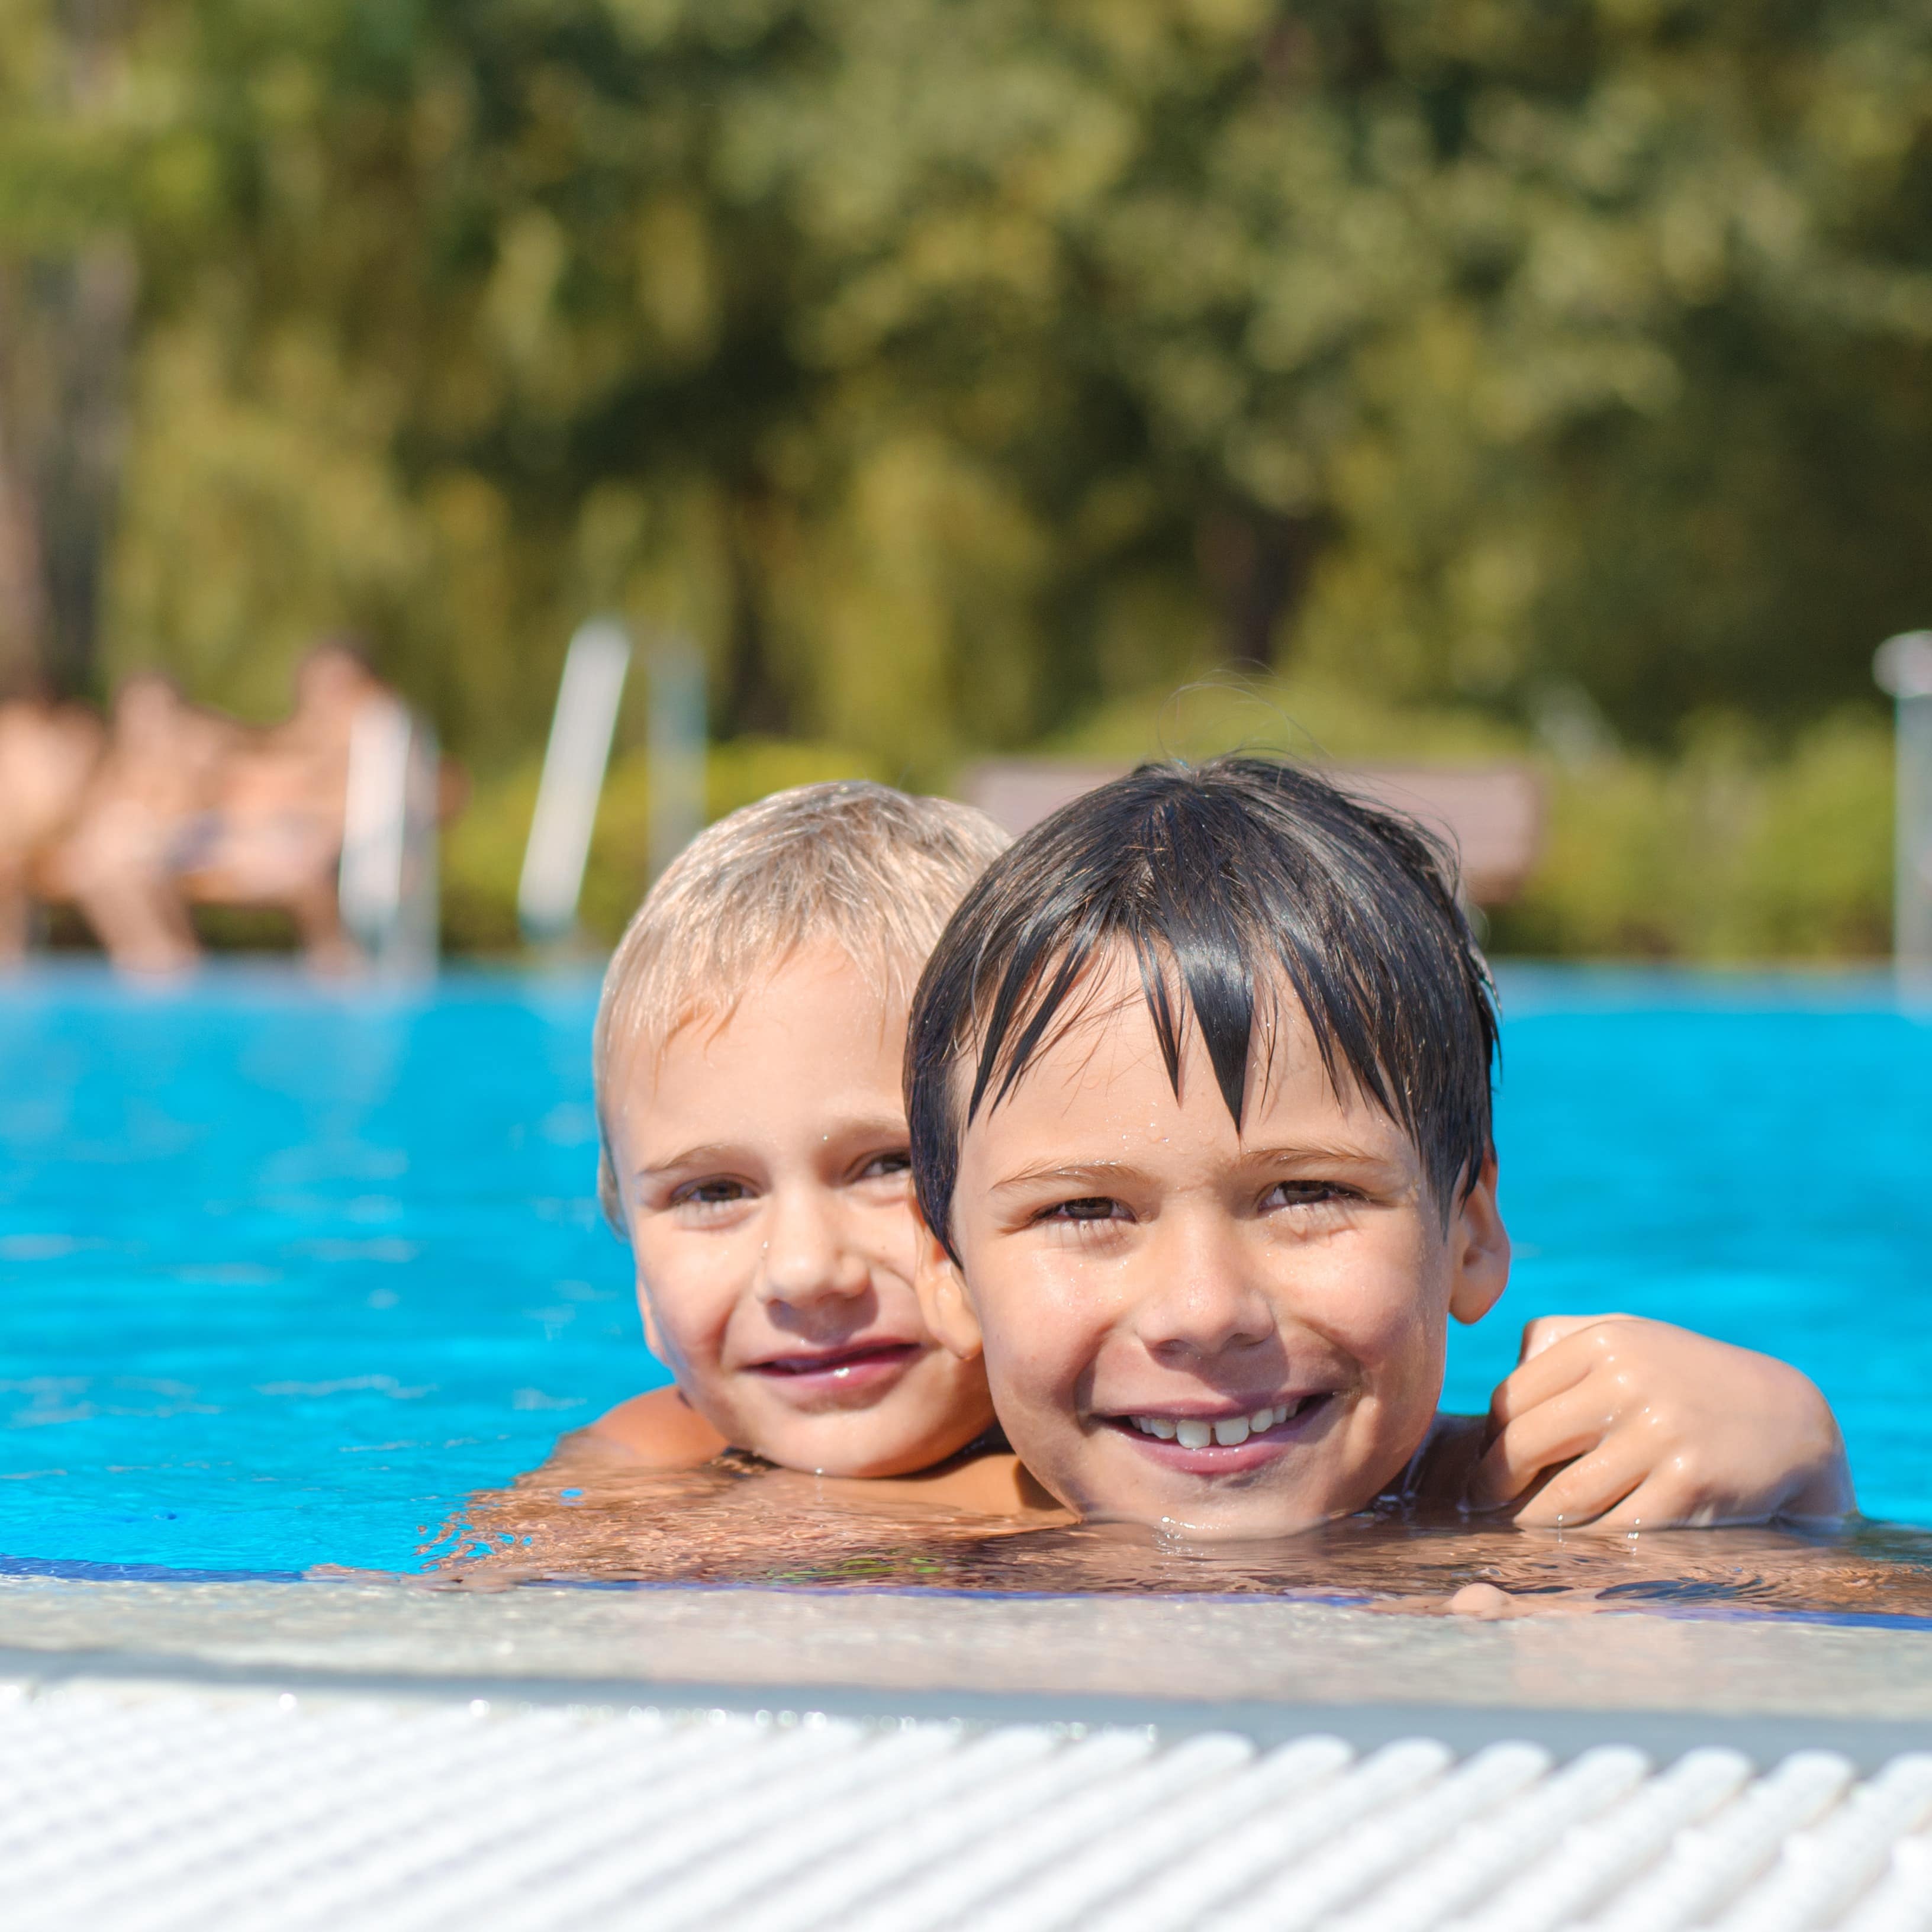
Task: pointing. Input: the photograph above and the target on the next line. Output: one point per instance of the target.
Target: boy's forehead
(814, 1000)
(1105, 1040)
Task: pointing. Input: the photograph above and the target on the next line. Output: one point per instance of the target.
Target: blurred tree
(954, 367)
(66, 287)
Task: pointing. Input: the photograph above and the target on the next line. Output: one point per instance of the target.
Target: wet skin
(1129, 1261)
(596, 1512)
(767, 1196)
(764, 1173)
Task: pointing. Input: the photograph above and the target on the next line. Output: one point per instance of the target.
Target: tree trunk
(90, 313)
(65, 330)
(22, 586)
(1255, 564)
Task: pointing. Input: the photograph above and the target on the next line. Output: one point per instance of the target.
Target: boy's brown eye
(711, 1193)
(886, 1166)
(1088, 1207)
(1306, 1193)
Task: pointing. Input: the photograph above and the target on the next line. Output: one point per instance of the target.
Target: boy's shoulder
(659, 1429)
(1436, 1481)
(989, 1481)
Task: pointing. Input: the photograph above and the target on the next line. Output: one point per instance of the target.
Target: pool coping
(1868, 1743)
(1264, 1667)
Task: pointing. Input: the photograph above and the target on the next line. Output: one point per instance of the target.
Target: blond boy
(747, 1054)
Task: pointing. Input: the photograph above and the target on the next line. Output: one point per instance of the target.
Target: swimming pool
(288, 1273)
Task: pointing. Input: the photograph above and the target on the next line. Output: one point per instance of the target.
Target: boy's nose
(806, 1257)
(1201, 1300)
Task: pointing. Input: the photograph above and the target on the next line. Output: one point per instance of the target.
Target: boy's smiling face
(764, 1174)
(1223, 1331)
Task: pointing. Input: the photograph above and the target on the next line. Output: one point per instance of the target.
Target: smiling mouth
(841, 1365)
(1272, 1422)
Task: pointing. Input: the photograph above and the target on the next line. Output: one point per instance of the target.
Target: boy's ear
(1479, 1249)
(943, 1299)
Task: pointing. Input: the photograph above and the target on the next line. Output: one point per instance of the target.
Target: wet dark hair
(1222, 880)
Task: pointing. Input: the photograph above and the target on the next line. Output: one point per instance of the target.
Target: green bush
(1729, 853)
(1307, 716)
(1732, 851)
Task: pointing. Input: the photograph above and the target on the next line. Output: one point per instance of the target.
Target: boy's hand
(1648, 1426)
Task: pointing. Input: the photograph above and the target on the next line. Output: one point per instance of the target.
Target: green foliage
(1311, 716)
(1726, 854)
(952, 367)
(1740, 848)
(956, 371)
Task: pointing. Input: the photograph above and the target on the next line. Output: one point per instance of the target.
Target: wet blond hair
(877, 871)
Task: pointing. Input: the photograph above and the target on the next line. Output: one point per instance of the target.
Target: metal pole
(418, 941)
(1903, 667)
(572, 781)
(676, 748)
(386, 883)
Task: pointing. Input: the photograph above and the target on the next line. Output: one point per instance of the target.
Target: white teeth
(1235, 1429)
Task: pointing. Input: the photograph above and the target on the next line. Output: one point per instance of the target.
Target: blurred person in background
(273, 834)
(176, 805)
(118, 862)
(47, 754)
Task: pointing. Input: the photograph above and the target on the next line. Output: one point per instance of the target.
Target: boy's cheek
(653, 1338)
(680, 1330)
(659, 1337)
(1386, 1309)
(1042, 1342)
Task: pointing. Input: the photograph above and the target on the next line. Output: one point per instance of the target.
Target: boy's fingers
(1552, 1433)
(1644, 1508)
(1545, 1331)
(1559, 1367)
(1589, 1492)
(1553, 1363)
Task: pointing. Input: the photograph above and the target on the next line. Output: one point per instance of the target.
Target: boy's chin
(1214, 1520)
(1285, 1497)
(860, 1446)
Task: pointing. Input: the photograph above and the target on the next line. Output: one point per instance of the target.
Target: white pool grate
(146, 1806)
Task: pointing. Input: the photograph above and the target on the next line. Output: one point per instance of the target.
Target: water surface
(290, 1273)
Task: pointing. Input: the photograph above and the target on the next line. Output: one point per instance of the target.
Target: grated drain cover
(139, 1806)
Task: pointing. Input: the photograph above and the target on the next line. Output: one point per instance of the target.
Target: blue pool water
(287, 1273)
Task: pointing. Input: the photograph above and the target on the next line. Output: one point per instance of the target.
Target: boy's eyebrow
(1096, 1170)
(691, 1156)
(883, 1128)
(1315, 1154)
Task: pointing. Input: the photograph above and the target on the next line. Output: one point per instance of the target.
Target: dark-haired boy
(1199, 1086)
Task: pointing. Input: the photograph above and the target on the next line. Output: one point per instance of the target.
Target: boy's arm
(1650, 1426)
(658, 1428)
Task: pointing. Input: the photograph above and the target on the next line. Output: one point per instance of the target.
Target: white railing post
(386, 883)
(574, 765)
(1903, 667)
(677, 729)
